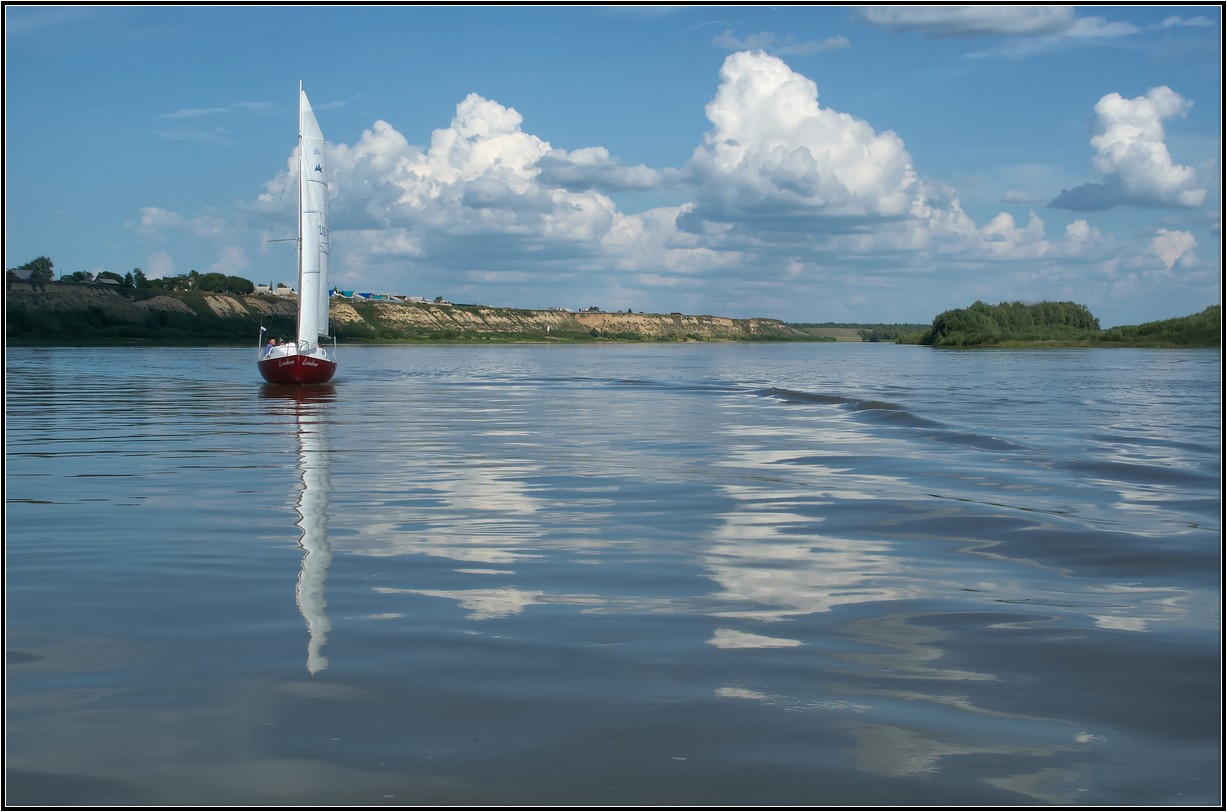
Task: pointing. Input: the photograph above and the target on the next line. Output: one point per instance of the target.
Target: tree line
(1064, 323)
(983, 324)
(1008, 323)
(872, 333)
(42, 269)
(1204, 329)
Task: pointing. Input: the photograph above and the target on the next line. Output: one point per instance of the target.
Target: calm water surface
(630, 574)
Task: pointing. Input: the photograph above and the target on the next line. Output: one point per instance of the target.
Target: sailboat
(307, 360)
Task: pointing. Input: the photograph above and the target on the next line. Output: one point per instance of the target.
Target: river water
(686, 574)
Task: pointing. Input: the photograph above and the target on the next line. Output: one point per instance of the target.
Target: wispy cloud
(972, 21)
(216, 135)
(332, 105)
(1017, 196)
(201, 112)
(20, 21)
(195, 112)
(1028, 29)
(1182, 22)
(768, 42)
(1098, 28)
(204, 135)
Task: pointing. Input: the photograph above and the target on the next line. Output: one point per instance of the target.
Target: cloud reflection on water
(781, 518)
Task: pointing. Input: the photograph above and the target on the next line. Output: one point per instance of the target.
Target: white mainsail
(312, 228)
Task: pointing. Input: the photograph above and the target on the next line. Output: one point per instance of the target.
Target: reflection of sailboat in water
(309, 405)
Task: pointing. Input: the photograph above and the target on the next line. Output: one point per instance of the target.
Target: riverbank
(65, 313)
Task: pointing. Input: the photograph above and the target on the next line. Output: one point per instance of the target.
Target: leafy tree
(180, 282)
(138, 278)
(78, 276)
(164, 283)
(983, 324)
(889, 332)
(221, 283)
(1202, 329)
(211, 282)
(42, 269)
(963, 327)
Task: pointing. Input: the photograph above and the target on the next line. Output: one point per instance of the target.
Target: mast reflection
(310, 407)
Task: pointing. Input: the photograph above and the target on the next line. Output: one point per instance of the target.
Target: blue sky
(825, 163)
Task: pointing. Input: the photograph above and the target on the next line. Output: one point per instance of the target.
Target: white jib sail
(312, 228)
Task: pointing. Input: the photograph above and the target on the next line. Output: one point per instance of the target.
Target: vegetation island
(214, 309)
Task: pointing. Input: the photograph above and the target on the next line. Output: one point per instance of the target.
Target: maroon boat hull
(297, 369)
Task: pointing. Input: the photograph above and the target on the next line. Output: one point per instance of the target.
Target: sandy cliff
(392, 320)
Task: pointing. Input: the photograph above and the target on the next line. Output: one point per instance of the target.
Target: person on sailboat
(272, 342)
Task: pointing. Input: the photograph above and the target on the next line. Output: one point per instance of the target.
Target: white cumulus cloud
(1132, 156)
(1003, 238)
(1171, 246)
(154, 219)
(777, 158)
(593, 168)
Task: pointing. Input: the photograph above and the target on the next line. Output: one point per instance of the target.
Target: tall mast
(302, 180)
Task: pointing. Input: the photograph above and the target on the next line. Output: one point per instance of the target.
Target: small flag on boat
(263, 329)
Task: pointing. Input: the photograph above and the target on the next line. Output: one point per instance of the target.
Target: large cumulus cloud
(775, 155)
(1132, 156)
(473, 201)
